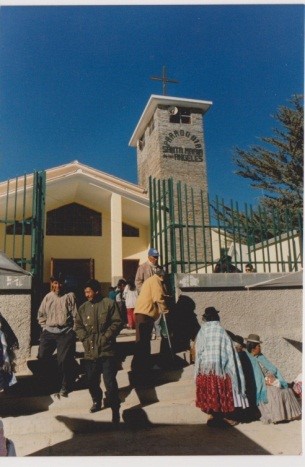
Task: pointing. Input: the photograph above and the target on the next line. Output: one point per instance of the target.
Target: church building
(95, 224)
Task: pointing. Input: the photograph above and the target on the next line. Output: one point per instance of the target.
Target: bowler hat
(210, 312)
(239, 340)
(254, 338)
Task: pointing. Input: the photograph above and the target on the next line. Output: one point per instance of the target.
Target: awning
(9, 267)
(12, 276)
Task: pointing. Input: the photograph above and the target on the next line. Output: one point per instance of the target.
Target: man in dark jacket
(97, 324)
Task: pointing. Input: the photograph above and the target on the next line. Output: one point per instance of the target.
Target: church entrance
(76, 272)
(130, 267)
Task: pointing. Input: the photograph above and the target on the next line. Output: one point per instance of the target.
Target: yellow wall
(98, 248)
(70, 247)
(136, 247)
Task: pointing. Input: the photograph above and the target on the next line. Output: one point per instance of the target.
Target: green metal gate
(22, 219)
(197, 235)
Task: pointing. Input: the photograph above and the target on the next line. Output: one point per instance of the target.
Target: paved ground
(158, 421)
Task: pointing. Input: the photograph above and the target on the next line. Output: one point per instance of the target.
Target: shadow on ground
(137, 436)
(27, 397)
(33, 395)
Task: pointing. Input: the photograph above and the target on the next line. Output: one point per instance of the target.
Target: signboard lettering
(181, 153)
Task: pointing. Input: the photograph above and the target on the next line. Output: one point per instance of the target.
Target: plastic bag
(271, 380)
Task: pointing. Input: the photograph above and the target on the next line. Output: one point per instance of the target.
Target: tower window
(182, 116)
(75, 220)
(141, 142)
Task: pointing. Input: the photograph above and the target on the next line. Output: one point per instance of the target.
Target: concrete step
(157, 412)
(124, 336)
(32, 394)
(125, 350)
(160, 420)
(157, 401)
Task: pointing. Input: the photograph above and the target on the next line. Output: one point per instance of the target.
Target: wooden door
(130, 267)
(76, 272)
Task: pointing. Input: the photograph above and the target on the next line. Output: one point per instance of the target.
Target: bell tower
(169, 138)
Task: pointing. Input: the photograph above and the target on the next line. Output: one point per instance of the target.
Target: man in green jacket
(97, 324)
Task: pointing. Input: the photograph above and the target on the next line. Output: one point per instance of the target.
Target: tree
(277, 166)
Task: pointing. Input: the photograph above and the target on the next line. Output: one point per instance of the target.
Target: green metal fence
(22, 222)
(199, 235)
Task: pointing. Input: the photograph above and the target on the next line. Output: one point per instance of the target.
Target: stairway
(36, 419)
(159, 420)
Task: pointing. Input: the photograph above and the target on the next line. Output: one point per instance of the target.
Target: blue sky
(74, 81)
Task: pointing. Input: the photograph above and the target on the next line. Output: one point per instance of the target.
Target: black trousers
(94, 369)
(65, 344)
(141, 361)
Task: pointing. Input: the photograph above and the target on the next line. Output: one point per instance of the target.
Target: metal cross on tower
(164, 80)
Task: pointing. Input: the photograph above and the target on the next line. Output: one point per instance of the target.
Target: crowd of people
(235, 382)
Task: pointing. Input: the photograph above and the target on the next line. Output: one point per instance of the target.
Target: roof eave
(151, 106)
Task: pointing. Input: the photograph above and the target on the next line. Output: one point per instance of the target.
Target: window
(141, 142)
(75, 220)
(129, 231)
(182, 116)
(19, 228)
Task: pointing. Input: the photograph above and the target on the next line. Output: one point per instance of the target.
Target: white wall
(16, 309)
(274, 314)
